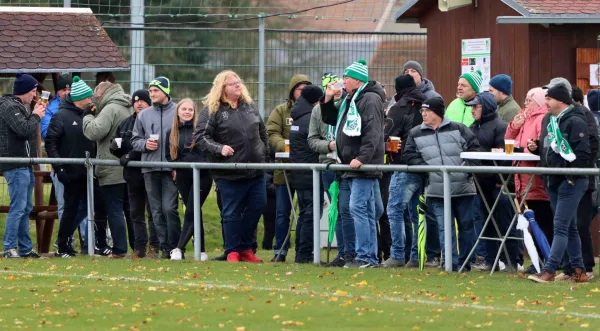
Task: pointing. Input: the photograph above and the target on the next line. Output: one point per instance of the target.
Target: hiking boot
(562, 277)
(579, 276)
(278, 258)
(153, 252)
(393, 263)
(102, 251)
(360, 264)
(233, 257)
(32, 255)
(412, 264)
(248, 256)
(11, 254)
(222, 257)
(544, 277)
(176, 255)
(338, 262)
(433, 262)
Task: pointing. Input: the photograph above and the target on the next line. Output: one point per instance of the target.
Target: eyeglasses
(234, 84)
(423, 110)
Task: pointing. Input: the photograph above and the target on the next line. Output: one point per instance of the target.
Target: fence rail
(316, 169)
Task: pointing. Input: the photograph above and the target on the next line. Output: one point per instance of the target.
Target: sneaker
(11, 254)
(520, 267)
(176, 255)
(579, 276)
(531, 270)
(359, 264)
(393, 263)
(590, 275)
(117, 256)
(248, 256)
(433, 262)
(233, 257)
(102, 251)
(278, 258)
(203, 257)
(64, 255)
(222, 257)
(478, 260)
(165, 255)
(562, 277)
(412, 264)
(153, 252)
(544, 277)
(32, 255)
(338, 262)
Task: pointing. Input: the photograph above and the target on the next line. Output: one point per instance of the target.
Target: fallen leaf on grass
(292, 323)
(416, 327)
(276, 317)
(152, 288)
(585, 325)
(240, 328)
(596, 290)
(339, 292)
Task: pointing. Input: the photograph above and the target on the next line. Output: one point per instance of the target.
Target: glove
(89, 110)
(124, 160)
(62, 175)
(114, 146)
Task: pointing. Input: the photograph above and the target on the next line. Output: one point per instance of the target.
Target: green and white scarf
(352, 126)
(557, 142)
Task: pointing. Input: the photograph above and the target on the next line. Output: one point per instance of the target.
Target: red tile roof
(76, 42)
(561, 6)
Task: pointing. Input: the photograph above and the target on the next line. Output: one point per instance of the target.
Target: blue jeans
(347, 239)
(366, 208)
(404, 198)
(563, 198)
(282, 220)
(243, 203)
(114, 198)
(59, 195)
(478, 220)
(20, 188)
(462, 210)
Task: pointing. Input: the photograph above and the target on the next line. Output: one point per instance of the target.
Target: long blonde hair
(174, 137)
(216, 96)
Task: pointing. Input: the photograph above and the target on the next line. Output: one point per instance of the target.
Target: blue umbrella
(538, 234)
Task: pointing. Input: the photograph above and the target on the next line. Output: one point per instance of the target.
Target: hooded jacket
(426, 87)
(17, 131)
(489, 131)
(508, 109)
(125, 132)
(114, 108)
(65, 139)
(279, 124)
(300, 151)
(426, 146)
(369, 147)
(243, 129)
(185, 153)
(531, 129)
(402, 117)
(156, 119)
(458, 111)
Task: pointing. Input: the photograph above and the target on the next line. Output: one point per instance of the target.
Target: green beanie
(358, 70)
(80, 90)
(475, 78)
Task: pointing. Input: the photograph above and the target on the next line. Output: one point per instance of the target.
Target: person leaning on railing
(231, 130)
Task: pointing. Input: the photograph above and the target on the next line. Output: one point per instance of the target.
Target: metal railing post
(197, 214)
(261, 65)
(316, 216)
(91, 238)
(447, 221)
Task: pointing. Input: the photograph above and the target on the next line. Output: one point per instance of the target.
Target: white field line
(305, 292)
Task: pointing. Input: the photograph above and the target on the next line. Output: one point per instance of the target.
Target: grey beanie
(413, 65)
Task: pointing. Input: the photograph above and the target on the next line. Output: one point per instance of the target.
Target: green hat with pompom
(80, 90)
(358, 70)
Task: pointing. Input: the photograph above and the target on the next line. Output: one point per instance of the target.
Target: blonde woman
(230, 130)
(182, 149)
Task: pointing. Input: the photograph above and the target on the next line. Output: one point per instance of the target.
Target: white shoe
(520, 268)
(590, 275)
(501, 266)
(176, 255)
(203, 257)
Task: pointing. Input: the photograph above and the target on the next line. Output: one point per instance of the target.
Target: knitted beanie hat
(24, 84)
(413, 65)
(358, 70)
(80, 90)
(163, 84)
(475, 78)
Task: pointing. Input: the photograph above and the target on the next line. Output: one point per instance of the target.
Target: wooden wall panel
(585, 57)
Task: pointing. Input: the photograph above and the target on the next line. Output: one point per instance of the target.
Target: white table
(495, 157)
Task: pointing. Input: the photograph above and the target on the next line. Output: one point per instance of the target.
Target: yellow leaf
(221, 325)
(487, 323)
(585, 325)
(596, 290)
(133, 309)
(276, 317)
(520, 303)
(339, 292)
(152, 288)
(240, 328)
(560, 308)
(169, 302)
(416, 327)
(180, 304)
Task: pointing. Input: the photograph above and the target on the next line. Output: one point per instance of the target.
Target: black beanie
(311, 93)
(436, 105)
(24, 84)
(63, 82)
(403, 82)
(560, 93)
(141, 95)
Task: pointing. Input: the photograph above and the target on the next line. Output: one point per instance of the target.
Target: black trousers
(184, 182)
(138, 205)
(586, 212)
(384, 235)
(128, 220)
(75, 195)
(269, 217)
(100, 217)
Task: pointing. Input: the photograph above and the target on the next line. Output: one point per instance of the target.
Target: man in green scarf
(359, 140)
(564, 143)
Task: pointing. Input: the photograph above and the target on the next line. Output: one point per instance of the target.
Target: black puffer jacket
(369, 147)
(17, 131)
(404, 115)
(65, 139)
(185, 153)
(489, 130)
(575, 129)
(126, 153)
(300, 151)
(243, 129)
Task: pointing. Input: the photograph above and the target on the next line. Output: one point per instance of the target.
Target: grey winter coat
(156, 119)
(426, 146)
(317, 136)
(428, 89)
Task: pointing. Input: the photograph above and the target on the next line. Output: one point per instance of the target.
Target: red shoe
(248, 256)
(233, 257)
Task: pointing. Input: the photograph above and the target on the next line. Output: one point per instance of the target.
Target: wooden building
(531, 40)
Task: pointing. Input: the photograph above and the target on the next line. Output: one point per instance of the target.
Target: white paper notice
(476, 55)
(594, 74)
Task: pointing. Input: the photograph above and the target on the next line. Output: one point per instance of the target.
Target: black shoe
(338, 262)
(222, 257)
(64, 255)
(32, 255)
(531, 270)
(165, 255)
(303, 261)
(360, 264)
(102, 251)
(433, 262)
(278, 258)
